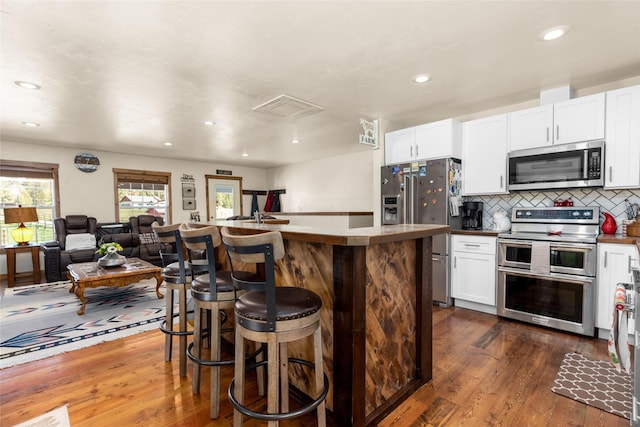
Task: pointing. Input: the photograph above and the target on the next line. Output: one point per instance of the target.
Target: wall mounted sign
(86, 162)
(223, 172)
(369, 134)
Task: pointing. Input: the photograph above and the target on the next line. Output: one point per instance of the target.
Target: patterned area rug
(39, 321)
(595, 383)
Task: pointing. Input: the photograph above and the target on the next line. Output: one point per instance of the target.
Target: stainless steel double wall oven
(547, 267)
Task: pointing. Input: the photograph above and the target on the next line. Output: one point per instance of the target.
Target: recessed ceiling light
(553, 33)
(31, 124)
(168, 144)
(422, 78)
(245, 155)
(295, 141)
(209, 123)
(27, 85)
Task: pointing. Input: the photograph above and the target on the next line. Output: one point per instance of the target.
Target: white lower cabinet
(614, 266)
(473, 271)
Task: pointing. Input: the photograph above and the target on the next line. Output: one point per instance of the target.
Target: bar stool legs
(168, 326)
(212, 309)
(278, 377)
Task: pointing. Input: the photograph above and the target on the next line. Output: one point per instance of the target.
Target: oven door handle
(515, 243)
(573, 246)
(562, 277)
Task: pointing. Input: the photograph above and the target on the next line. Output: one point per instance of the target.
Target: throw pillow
(148, 238)
(80, 241)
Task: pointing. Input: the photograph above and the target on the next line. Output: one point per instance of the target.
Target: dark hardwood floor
(487, 372)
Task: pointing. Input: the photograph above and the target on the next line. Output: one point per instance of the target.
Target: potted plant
(111, 257)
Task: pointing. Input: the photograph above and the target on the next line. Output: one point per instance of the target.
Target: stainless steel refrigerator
(425, 192)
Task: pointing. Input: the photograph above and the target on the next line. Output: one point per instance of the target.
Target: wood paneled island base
(90, 275)
(376, 290)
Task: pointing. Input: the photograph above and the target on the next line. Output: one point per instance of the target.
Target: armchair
(149, 244)
(65, 250)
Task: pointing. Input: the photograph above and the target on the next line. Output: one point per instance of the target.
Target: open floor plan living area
(311, 213)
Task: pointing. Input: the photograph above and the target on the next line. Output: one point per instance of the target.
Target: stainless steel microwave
(557, 166)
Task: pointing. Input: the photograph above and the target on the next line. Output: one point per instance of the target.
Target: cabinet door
(622, 145)
(438, 139)
(473, 277)
(614, 266)
(399, 146)
(579, 119)
(484, 156)
(531, 128)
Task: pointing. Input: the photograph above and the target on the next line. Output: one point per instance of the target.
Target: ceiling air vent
(288, 107)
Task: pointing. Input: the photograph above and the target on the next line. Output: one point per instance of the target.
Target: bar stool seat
(291, 303)
(176, 275)
(273, 315)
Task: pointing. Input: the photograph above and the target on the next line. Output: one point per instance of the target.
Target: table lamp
(22, 235)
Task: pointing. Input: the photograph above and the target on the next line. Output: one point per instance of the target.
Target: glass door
(224, 196)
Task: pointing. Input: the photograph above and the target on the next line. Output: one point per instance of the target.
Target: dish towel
(618, 343)
(540, 257)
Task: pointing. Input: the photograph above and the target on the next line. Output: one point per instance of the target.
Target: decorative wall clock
(86, 162)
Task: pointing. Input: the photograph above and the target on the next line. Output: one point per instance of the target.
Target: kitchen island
(376, 291)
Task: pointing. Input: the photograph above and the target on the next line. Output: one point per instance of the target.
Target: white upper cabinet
(439, 139)
(531, 128)
(399, 146)
(622, 143)
(484, 156)
(574, 120)
(429, 141)
(579, 119)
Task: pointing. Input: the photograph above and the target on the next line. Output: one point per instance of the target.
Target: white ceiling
(127, 76)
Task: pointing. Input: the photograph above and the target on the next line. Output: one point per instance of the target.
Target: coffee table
(90, 275)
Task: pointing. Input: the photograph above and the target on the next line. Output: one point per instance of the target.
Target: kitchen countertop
(361, 236)
(491, 233)
(618, 238)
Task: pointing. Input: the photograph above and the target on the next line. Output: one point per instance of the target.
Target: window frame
(141, 176)
(37, 170)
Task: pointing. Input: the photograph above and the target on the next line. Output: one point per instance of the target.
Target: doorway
(224, 196)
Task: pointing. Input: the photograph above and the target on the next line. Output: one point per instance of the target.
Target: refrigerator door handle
(414, 195)
(406, 200)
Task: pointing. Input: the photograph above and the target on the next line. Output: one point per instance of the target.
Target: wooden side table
(11, 262)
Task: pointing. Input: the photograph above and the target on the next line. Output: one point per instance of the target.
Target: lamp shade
(20, 215)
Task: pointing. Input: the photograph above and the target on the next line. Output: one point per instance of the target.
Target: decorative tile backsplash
(611, 201)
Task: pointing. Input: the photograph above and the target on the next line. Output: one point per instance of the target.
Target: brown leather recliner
(149, 244)
(57, 254)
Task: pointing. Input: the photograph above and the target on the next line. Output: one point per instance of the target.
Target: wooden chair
(176, 273)
(212, 292)
(273, 315)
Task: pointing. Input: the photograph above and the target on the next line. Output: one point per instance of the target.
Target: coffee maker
(472, 215)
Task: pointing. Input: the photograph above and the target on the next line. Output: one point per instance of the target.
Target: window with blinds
(142, 192)
(29, 184)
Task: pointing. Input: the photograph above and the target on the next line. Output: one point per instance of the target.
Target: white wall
(334, 184)
(92, 193)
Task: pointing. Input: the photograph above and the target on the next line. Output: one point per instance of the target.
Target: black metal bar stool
(212, 293)
(274, 315)
(176, 273)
